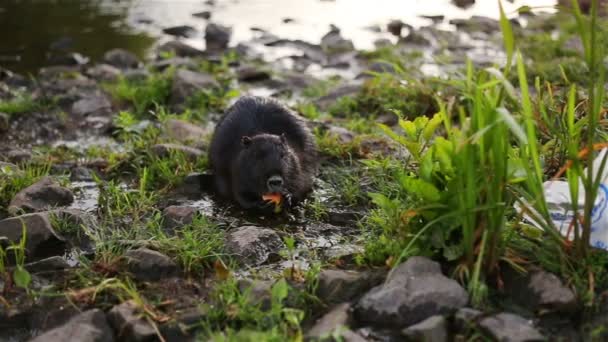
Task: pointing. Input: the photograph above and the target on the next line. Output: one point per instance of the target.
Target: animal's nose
(275, 182)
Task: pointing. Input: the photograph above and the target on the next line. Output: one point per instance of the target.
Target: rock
(435, 18)
(104, 72)
(4, 122)
(18, 155)
(333, 42)
(337, 286)
(337, 318)
(121, 59)
(413, 291)
(184, 131)
(463, 3)
(177, 62)
(508, 327)
(466, 317)
(382, 42)
(136, 75)
(217, 37)
(433, 329)
(342, 134)
(70, 59)
(187, 83)
(42, 195)
(389, 119)
(180, 49)
(128, 323)
(41, 238)
(177, 215)
(253, 245)
(203, 15)
(184, 31)
(97, 105)
(81, 174)
(89, 326)
(395, 27)
(415, 38)
(165, 150)
(181, 329)
(346, 90)
(258, 292)
(250, 73)
(51, 264)
(541, 292)
(148, 265)
(476, 23)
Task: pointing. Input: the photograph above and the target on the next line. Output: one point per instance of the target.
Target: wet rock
(128, 323)
(258, 292)
(217, 37)
(413, 291)
(180, 49)
(342, 134)
(97, 105)
(184, 131)
(253, 245)
(184, 31)
(104, 72)
(81, 174)
(203, 15)
(177, 62)
(51, 264)
(466, 317)
(333, 42)
(337, 286)
(339, 217)
(251, 73)
(44, 194)
(71, 58)
(389, 119)
(540, 291)
(463, 3)
(187, 83)
(4, 122)
(416, 39)
(88, 326)
(508, 327)
(395, 27)
(18, 155)
(337, 318)
(177, 215)
(347, 90)
(433, 329)
(121, 59)
(476, 23)
(148, 265)
(41, 240)
(136, 75)
(165, 150)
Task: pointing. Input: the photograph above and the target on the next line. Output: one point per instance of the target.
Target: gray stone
(121, 59)
(89, 326)
(253, 245)
(165, 150)
(177, 62)
(347, 90)
(136, 75)
(187, 83)
(541, 291)
(257, 292)
(203, 15)
(337, 286)
(4, 122)
(336, 319)
(413, 291)
(104, 72)
(18, 155)
(476, 23)
(39, 232)
(177, 215)
(251, 73)
(466, 317)
(433, 329)
(148, 265)
(342, 134)
(42, 195)
(508, 327)
(129, 324)
(51, 264)
(184, 31)
(333, 42)
(91, 106)
(217, 37)
(389, 119)
(184, 131)
(395, 27)
(180, 49)
(463, 3)
(81, 174)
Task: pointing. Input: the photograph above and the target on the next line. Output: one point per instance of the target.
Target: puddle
(86, 195)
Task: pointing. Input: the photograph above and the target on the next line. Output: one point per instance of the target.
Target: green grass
(144, 94)
(20, 104)
(13, 181)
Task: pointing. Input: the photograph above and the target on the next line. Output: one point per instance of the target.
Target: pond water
(33, 32)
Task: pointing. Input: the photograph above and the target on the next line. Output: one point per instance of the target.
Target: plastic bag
(557, 195)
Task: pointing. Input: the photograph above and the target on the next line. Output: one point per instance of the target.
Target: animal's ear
(283, 138)
(246, 141)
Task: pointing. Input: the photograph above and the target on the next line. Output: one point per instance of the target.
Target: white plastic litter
(557, 194)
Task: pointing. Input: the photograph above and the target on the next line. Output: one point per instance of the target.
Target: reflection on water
(33, 30)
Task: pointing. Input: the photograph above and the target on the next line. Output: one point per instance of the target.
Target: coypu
(262, 152)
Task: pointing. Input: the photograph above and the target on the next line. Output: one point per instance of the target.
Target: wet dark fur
(277, 142)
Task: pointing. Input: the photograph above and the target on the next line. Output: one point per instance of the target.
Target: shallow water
(34, 31)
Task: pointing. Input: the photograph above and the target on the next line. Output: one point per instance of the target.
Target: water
(34, 31)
